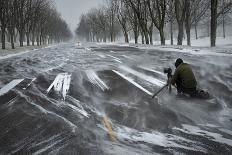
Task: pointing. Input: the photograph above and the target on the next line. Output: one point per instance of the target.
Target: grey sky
(71, 10)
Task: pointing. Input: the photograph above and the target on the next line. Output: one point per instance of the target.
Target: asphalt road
(100, 102)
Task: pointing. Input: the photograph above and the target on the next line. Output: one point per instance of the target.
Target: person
(184, 79)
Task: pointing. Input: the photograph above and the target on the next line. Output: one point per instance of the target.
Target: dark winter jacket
(184, 75)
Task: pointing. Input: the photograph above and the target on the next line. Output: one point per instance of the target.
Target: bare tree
(30, 18)
(180, 11)
(170, 17)
(122, 17)
(141, 10)
(199, 10)
(3, 20)
(111, 15)
(215, 13)
(157, 9)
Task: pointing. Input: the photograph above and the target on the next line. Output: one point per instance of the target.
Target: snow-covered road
(108, 107)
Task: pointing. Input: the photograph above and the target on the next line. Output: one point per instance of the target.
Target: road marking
(109, 128)
(10, 86)
(134, 83)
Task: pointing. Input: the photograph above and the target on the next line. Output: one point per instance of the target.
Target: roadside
(199, 46)
(8, 52)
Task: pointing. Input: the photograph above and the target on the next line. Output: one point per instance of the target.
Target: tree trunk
(12, 38)
(188, 22)
(126, 37)
(146, 38)
(104, 39)
(136, 36)
(171, 32)
(40, 40)
(223, 21)
(196, 31)
(213, 31)
(21, 38)
(162, 37)
(3, 38)
(33, 39)
(28, 38)
(8, 37)
(180, 33)
(150, 34)
(151, 38)
(37, 40)
(142, 35)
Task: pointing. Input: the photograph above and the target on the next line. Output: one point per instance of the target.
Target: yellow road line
(109, 128)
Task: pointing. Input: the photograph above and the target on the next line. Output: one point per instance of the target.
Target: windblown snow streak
(61, 84)
(143, 76)
(79, 108)
(152, 70)
(194, 130)
(94, 79)
(35, 123)
(133, 82)
(157, 138)
(10, 86)
(115, 59)
(28, 85)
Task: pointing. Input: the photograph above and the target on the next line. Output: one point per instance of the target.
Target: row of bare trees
(142, 17)
(31, 20)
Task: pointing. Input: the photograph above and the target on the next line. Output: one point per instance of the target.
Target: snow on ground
(200, 46)
(8, 52)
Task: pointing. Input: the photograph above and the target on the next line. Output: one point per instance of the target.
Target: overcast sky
(71, 10)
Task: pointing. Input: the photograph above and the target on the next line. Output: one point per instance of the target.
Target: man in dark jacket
(184, 79)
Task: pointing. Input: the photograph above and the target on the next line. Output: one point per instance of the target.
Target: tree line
(33, 21)
(145, 17)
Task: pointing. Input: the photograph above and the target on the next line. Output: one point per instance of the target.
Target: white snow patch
(157, 138)
(10, 86)
(66, 85)
(94, 79)
(61, 84)
(143, 76)
(102, 56)
(133, 82)
(209, 135)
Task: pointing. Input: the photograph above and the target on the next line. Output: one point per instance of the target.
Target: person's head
(178, 62)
